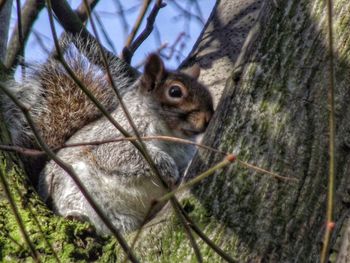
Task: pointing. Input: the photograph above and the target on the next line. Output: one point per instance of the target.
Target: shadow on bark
(275, 115)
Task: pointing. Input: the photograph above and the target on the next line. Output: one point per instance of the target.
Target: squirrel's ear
(194, 71)
(154, 71)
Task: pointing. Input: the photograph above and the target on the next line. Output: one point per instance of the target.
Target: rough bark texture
(72, 241)
(5, 15)
(274, 114)
(29, 13)
(221, 41)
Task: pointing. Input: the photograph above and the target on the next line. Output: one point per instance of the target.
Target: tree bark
(5, 15)
(52, 237)
(274, 114)
(221, 41)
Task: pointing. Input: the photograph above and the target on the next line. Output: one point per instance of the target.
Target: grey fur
(115, 174)
(34, 95)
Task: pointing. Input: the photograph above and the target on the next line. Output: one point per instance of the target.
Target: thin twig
(81, 10)
(261, 170)
(6, 234)
(152, 209)
(148, 216)
(22, 150)
(165, 46)
(20, 37)
(34, 152)
(199, 11)
(67, 167)
(80, 13)
(7, 192)
(104, 33)
(30, 12)
(39, 38)
(138, 22)
(48, 243)
(188, 231)
(74, 26)
(150, 138)
(186, 13)
(228, 160)
(158, 51)
(210, 243)
(128, 52)
(121, 15)
(140, 145)
(172, 48)
(36, 221)
(331, 176)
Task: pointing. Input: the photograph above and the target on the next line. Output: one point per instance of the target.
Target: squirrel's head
(185, 105)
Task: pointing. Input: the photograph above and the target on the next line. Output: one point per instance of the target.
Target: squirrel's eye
(175, 92)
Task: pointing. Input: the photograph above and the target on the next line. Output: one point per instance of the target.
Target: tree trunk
(221, 42)
(51, 237)
(274, 114)
(5, 15)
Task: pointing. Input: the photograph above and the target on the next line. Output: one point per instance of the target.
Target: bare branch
(39, 38)
(186, 13)
(22, 150)
(20, 37)
(189, 233)
(74, 26)
(139, 144)
(128, 52)
(34, 152)
(23, 231)
(138, 22)
(121, 16)
(83, 16)
(121, 10)
(165, 46)
(199, 11)
(172, 48)
(225, 162)
(5, 16)
(81, 10)
(158, 51)
(68, 168)
(141, 147)
(209, 242)
(104, 32)
(29, 13)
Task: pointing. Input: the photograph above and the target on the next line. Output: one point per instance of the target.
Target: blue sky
(170, 23)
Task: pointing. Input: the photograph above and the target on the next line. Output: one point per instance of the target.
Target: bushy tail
(57, 105)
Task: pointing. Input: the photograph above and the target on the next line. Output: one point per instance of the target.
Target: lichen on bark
(274, 114)
(276, 117)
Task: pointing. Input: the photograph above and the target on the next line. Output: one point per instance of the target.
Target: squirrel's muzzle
(197, 122)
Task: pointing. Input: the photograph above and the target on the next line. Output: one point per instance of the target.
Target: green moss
(72, 241)
(173, 245)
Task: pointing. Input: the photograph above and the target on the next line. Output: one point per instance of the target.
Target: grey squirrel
(160, 102)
